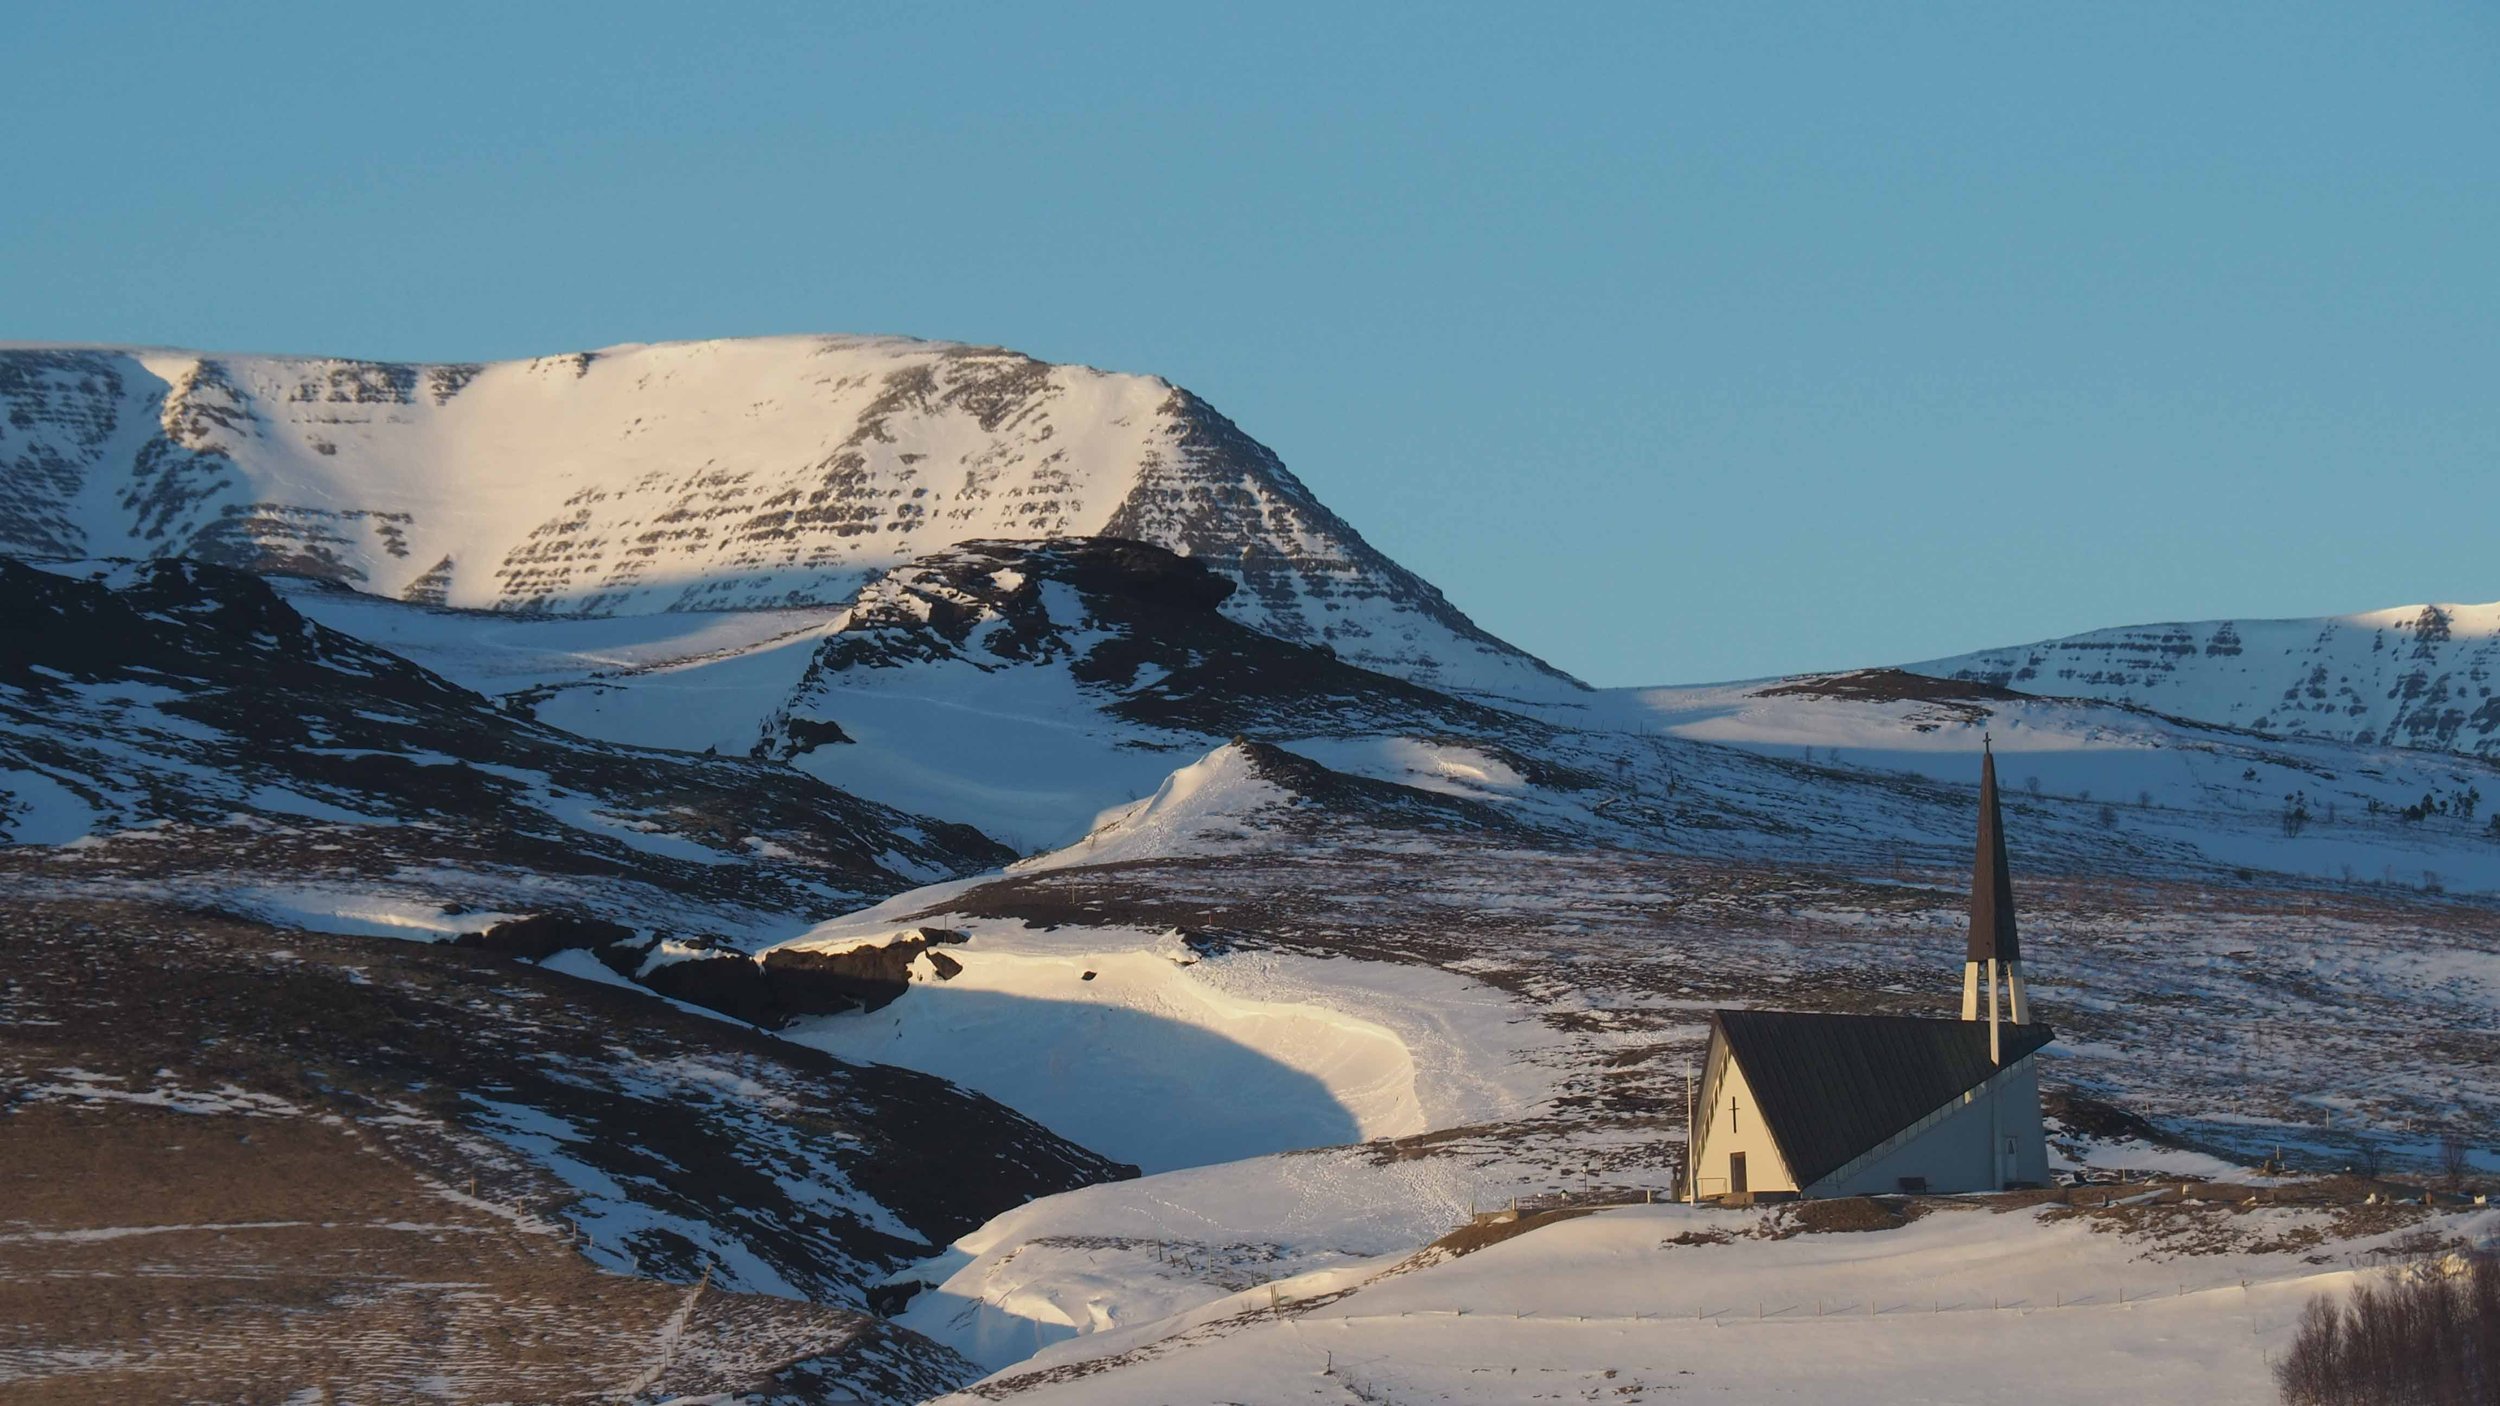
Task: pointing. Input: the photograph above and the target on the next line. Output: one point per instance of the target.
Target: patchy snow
(330, 907)
(73, 1085)
(36, 809)
(608, 1213)
(1447, 767)
(584, 813)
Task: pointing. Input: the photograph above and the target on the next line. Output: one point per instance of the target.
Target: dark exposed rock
(786, 737)
(1894, 686)
(789, 983)
(542, 935)
(2097, 1118)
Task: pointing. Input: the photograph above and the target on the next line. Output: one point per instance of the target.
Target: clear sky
(1674, 342)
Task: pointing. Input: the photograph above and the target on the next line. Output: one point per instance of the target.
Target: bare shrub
(2456, 1159)
(2427, 1334)
(2368, 1157)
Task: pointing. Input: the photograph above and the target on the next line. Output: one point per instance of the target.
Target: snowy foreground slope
(2419, 676)
(1662, 1303)
(686, 476)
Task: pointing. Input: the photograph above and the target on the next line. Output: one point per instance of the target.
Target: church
(1801, 1103)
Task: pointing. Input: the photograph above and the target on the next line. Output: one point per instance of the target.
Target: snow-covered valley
(1106, 934)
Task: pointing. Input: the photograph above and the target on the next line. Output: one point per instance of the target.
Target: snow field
(1026, 755)
(1207, 800)
(1139, 1061)
(1962, 1305)
(1447, 768)
(497, 653)
(1123, 1254)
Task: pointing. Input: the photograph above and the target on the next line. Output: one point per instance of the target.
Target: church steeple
(1993, 945)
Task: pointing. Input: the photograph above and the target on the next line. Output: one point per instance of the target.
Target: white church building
(1801, 1103)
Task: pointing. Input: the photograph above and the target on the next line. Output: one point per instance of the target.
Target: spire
(1992, 880)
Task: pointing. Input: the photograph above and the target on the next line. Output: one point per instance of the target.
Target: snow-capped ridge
(716, 475)
(2412, 676)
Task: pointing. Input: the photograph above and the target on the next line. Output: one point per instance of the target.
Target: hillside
(689, 476)
(243, 1157)
(2414, 676)
(178, 727)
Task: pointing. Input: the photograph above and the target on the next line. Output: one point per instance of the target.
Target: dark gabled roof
(1991, 878)
(1832, 1086)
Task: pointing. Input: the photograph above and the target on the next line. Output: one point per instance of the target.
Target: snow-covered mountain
(688, 476)
(2412, 676)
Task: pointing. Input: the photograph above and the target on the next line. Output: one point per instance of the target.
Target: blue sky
(1674, 342)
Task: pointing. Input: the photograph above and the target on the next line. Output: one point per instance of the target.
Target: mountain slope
(1021, 686)
(264, 1160)
(178, 724)
(689, 476)
(2414, 676)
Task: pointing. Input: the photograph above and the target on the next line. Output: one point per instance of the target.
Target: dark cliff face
(58, 410)
(182, 694)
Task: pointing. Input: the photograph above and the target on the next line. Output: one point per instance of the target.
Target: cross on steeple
(1993, 946)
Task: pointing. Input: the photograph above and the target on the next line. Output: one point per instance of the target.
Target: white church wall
(1735, 1125)
(1958, 1152)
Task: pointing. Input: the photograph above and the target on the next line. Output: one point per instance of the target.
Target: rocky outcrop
(788, 984)
(1145, 630)
(542, 935)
